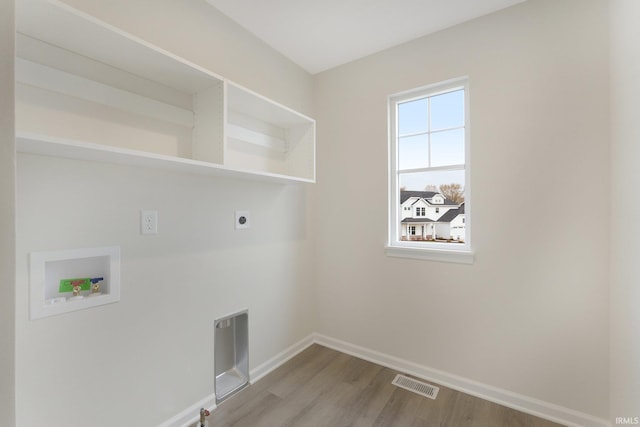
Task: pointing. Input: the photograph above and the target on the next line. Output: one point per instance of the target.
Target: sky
(431, 134)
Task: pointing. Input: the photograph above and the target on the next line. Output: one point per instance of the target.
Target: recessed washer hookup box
(231, 354)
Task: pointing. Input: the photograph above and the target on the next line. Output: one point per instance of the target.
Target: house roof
(421, 219)
(450, 215)
(405, 195)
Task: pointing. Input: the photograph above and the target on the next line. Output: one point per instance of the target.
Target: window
(429, 163)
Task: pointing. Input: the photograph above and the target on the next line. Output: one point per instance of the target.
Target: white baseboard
(538, 408)
(529, 405)
(191, 415)
(260, 371)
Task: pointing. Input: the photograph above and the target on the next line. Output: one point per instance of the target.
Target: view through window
(428, 166)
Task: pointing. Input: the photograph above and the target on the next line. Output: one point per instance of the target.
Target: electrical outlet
(148, 222)
(243, 219)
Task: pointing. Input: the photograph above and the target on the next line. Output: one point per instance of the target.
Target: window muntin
(429, 146)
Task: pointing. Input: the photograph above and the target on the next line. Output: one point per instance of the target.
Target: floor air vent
(416, 386)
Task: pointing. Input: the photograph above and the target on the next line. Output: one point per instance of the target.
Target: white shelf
(54, 80)
(70, 149)
(61, 25)
(267, 141)
(87, 90)
(267, 136)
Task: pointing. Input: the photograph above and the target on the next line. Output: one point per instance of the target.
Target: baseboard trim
(190, 416)
(260, 371)
(538, 408)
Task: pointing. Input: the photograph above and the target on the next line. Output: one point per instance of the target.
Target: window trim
(425, 250)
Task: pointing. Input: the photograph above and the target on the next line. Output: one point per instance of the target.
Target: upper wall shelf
(87, 90)
(81, 150)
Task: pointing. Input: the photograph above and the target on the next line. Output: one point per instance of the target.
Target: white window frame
(460, 253)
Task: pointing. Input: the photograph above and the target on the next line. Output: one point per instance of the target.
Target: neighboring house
(429, 215)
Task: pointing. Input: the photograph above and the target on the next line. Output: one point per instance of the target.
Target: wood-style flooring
(323, 387)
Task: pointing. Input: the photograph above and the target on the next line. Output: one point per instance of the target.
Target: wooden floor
(322, 387)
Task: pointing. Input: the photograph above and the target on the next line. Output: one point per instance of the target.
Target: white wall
(7, 215)
(150, 356)
(530, 316)
(625, 246)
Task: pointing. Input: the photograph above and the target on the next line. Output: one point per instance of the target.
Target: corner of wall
(7, 215)
(624, 321)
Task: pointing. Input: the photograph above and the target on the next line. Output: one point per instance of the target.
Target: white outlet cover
(243, 219)
(148, 222)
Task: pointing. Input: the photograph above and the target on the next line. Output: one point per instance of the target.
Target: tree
(431, 187)
(453, 192)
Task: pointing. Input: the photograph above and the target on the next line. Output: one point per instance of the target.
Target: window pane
(447, 148)
(413, 152)
(412, 117)
(447, 110)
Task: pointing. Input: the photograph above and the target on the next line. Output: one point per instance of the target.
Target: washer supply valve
(203, 413)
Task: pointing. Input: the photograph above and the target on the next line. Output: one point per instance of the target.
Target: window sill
(443, 255)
